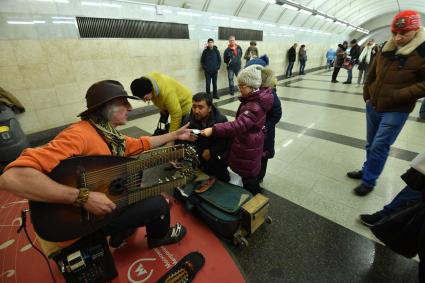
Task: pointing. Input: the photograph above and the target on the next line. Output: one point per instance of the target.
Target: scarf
(114, 139)
(366, 54)
(234, 48)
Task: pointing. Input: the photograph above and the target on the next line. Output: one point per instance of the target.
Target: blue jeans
(403, 199)
(382, 131)
(230, 74)
(302, 66)
(350, 75)
(289, 69)
(422, 110)
(329, 63)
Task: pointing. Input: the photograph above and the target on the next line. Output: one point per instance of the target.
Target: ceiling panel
(287, 17)
(225, 7)
(272, 13)
(252, 9)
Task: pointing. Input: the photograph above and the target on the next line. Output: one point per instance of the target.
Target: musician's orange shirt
(79, 139)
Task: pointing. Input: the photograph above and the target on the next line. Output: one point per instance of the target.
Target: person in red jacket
(247, 130)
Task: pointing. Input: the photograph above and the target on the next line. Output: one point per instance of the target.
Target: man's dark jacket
(216, 145)
(211, 60)
(292, 54)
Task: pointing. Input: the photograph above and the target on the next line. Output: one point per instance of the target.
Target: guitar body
(60, 222)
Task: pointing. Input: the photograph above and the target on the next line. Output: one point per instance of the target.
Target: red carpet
(19, 262)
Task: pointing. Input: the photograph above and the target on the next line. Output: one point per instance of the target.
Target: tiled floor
(309, 170)
(320, 137)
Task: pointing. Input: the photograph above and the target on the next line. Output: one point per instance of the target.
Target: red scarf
(234, 48)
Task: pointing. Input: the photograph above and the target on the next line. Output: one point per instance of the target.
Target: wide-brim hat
(102, 92)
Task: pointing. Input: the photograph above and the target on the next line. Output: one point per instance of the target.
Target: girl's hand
(207, 132)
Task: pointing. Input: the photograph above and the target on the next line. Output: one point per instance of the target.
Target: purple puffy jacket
(247, 133)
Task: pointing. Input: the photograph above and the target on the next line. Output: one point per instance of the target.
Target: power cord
(24, 226)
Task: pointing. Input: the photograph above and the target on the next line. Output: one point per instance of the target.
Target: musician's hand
(207, 132)
(99, 204)
(184, 133)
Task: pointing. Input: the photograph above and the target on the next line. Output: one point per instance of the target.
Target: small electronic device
(87, 261)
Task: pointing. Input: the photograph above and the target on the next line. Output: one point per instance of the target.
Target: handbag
(163, 126)
(401, 231)
(347, 64)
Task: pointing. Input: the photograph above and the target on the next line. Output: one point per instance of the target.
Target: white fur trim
(409, 47)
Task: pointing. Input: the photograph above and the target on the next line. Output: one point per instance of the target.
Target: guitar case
(218, 204)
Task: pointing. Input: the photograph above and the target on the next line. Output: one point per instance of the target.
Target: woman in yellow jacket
(169, 95)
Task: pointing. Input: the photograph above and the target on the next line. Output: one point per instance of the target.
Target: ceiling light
(269, 1)
(189, 14)
(218, 18)
(97, 4)
(20, 22)
(239, 20)
(305, 12)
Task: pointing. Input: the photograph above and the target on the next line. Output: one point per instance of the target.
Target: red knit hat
(406, 21)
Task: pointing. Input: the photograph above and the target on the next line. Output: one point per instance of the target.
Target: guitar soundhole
(117, 187)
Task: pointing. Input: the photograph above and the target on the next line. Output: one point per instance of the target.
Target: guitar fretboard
(137, 194)
(148, 160)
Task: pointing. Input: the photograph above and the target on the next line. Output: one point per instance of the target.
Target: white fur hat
(251, 76)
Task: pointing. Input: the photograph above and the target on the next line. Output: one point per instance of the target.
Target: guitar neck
(155, 158)
(138, 194)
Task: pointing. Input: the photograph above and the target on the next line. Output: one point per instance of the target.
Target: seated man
(95, 134)
(210, 150)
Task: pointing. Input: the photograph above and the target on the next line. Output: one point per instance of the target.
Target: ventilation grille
(123, 28)
(240, 34)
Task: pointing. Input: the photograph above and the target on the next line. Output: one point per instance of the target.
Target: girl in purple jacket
(246, 131)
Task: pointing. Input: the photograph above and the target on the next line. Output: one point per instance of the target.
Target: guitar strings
(95, 175)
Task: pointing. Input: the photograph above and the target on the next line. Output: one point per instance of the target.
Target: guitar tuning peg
(160, 181)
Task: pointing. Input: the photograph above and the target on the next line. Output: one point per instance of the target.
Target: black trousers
(335, 73)
(153, 212)
(217, 168)
(208, 78)
(263, 170)
(252, 185)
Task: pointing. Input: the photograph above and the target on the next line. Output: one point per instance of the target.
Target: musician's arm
(181, 134)
(32, 184)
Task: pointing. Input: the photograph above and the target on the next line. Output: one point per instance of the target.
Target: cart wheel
(241, 241)
(268, 220)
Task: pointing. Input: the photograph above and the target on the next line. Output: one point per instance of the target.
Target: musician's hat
(104, 91)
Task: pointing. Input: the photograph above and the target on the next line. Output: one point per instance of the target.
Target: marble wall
(50, 77)
(45, 64)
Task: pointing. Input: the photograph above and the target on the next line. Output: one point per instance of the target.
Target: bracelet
(83, 196)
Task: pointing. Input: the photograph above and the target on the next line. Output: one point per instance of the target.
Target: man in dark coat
(395, 82)
(232, 57)
(211, 150)
(292, 54)
(354, 58)
(211, 62)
